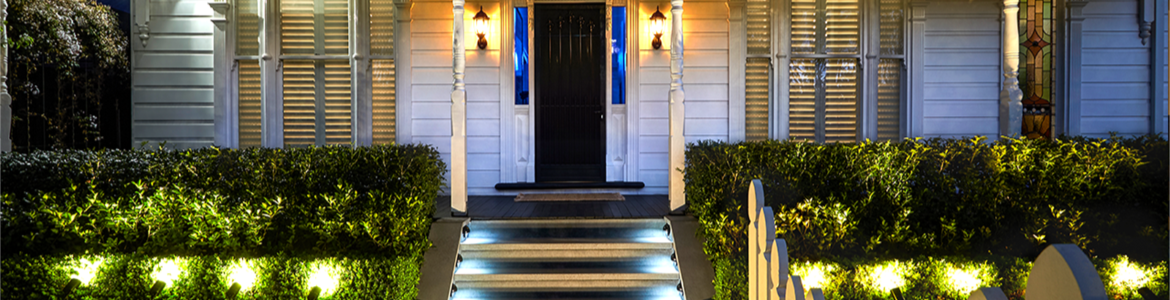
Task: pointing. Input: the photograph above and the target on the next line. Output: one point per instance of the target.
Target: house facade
(610, 91)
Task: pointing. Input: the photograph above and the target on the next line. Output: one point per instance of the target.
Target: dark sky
(121, 5)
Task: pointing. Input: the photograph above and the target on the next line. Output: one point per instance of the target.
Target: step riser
(533, 285)
(564, 254)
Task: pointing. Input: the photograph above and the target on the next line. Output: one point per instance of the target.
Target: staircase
(567, 259)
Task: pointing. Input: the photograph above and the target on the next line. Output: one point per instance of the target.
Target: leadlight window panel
(520, 53)
(618, 59)
(1036, 69)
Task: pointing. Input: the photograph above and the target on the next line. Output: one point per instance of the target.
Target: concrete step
(656, 292)
(567, 259)
(567, 231)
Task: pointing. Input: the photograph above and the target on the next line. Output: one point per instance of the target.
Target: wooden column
(916, 111)
(362, 114)
(458, 116)
(224, 63)
(677, 111)
(1010, 108)
(1072, 107)
(5, 98)
(736, 75)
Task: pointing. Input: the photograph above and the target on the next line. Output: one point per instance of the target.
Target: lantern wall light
(481, 28)
(657, 26)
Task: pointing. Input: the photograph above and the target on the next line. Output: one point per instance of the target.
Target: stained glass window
(1036, 71)
(520, 53)
(618, 34)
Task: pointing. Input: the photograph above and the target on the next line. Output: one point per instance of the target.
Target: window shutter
(383, 79)
(314, 27)
(842, 31)
(317, 102)
(758, 68)
(824, 92)
(247, 28)
(381, 27)
(248, 95)
(802, 99)
(840, 99)
(385, 106)
(889, 98)
(317, 96)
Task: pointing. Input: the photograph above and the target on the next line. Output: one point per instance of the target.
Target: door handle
(598, 112)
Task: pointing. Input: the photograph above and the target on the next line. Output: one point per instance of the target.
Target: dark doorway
(569, 52)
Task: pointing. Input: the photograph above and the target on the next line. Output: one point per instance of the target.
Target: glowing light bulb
(324, 276)
(1127, 275)
(241, 272)
(87, 270)
(963, 281)
(168, 270)
(888, 276)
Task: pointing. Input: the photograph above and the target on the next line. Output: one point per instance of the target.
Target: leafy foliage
(366, 210)
(327, 200)
(936, 197)
(78, 45)
(128, 276)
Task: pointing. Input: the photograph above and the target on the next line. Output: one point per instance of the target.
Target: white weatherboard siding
(172, 76)
(1116, 77)
(430, 85)
(705, 70)
(962, 69)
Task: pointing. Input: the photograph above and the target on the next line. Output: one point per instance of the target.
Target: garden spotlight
(69, 287)
(897, 294)
(314, 293)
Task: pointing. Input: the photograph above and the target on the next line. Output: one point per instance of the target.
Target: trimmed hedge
(930, 198)
(374, 204)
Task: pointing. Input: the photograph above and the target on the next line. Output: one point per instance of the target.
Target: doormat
(522, 197)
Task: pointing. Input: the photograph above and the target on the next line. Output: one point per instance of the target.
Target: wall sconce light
(657, 26)
(481, 28)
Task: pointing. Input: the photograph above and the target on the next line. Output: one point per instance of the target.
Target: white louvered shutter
(824, 82)
(317, 96)
(383, 82)
(891, 14)
(248, 85)
(758, 69)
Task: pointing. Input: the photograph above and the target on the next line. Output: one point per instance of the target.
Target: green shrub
(365, 212)
(936, 197)
(255, 201)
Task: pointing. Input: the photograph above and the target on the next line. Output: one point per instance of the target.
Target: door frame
(517, 129)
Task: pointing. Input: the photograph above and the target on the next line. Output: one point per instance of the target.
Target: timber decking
(503, 207)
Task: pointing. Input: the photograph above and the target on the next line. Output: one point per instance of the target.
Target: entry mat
(525, 197)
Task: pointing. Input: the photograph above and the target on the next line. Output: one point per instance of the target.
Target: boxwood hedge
(932, 198)
(372, 204)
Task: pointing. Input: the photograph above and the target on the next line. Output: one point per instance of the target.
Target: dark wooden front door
(570, 92)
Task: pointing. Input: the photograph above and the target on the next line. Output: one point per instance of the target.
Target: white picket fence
(1061, 272)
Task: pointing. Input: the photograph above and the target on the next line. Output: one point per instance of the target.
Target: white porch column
(677, 142)
(5, 98)
(1011, 110)
(458, 117)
